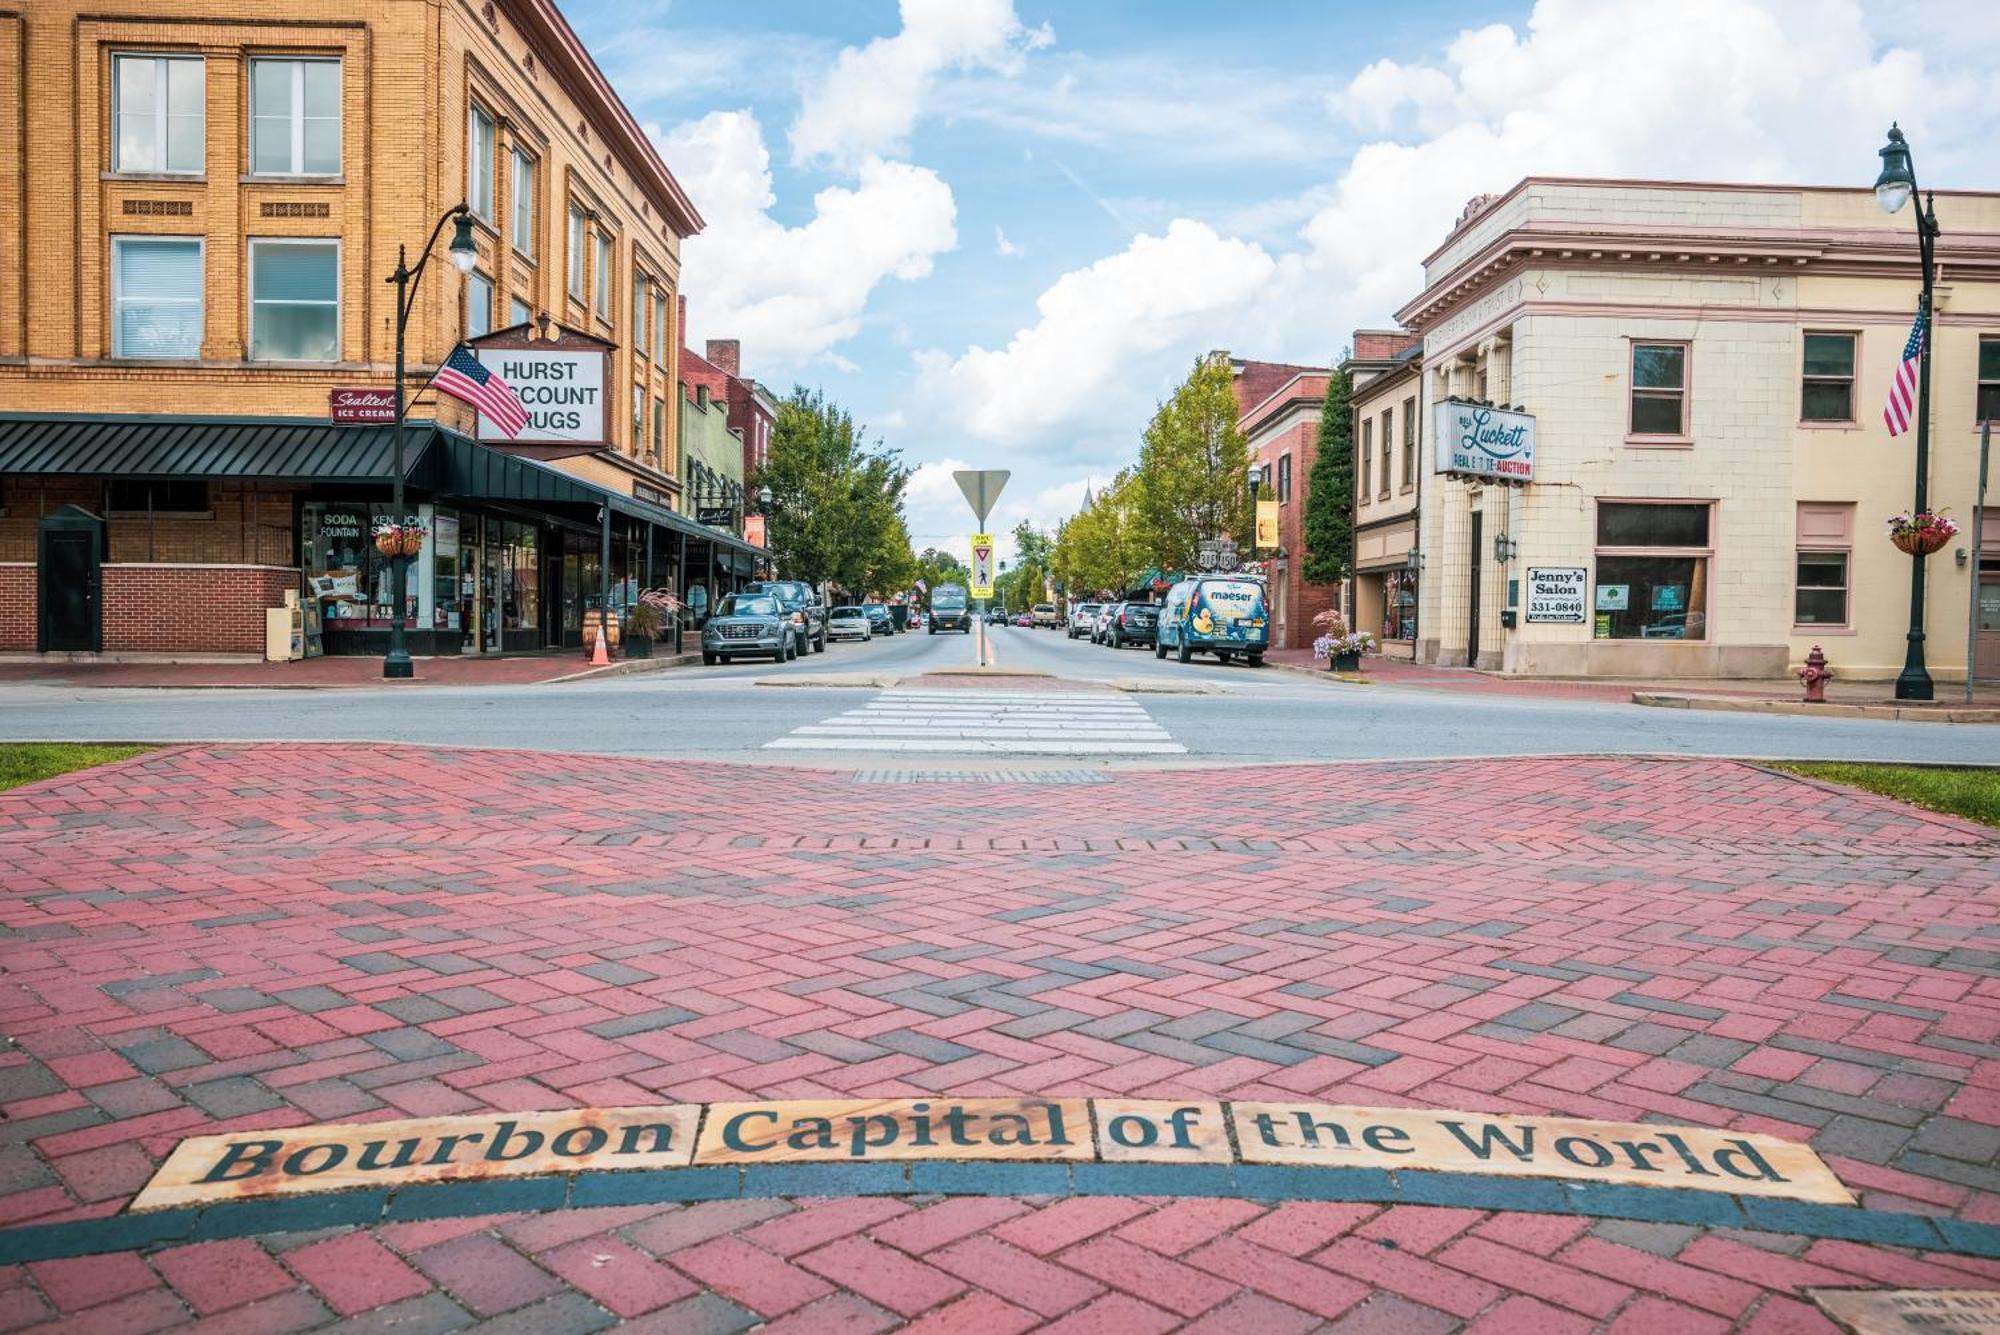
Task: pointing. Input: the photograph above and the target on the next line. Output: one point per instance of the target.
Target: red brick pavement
(230, 937)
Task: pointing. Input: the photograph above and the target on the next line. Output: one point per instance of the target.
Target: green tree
(1098, 549)
(837, 501)
(935, 567)
(1329, 517)
(1192, 462)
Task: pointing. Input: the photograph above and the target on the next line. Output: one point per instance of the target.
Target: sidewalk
(349, 673)
(1382, 671)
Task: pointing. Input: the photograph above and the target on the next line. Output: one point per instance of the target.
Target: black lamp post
(1256, 480)
(1894, 188)
(464, 254)
(765, 503)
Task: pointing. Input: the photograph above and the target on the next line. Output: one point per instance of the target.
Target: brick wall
(17, 607)
(244, 524)
(159, 609)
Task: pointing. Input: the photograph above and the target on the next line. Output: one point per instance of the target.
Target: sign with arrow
(982, 565)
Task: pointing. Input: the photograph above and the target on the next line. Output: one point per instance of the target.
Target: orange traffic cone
(600, 655)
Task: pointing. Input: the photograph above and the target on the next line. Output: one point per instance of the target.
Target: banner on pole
(982, 565)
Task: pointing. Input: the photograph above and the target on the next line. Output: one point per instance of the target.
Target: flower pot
(413, 541)
(1921, 541)
(638, 646)
(1345, 662)
(389, 544)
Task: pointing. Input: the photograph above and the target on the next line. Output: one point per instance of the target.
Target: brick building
(1277, 409)
(1700, 371)
(206, 214)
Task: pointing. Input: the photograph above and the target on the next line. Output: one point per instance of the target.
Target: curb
(624, 667)
(1743, 704)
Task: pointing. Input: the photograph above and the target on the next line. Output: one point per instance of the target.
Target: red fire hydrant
(1816, 674)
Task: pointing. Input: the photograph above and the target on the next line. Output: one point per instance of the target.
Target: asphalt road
(1203, 713)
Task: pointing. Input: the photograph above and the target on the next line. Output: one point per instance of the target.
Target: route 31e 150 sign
(1558, 594)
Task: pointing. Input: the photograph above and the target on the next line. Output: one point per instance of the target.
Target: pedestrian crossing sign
(982, 565)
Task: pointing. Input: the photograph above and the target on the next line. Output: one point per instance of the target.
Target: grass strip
(1971, 793)
(31, 762)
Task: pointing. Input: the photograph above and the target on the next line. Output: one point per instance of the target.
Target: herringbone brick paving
(224, 937)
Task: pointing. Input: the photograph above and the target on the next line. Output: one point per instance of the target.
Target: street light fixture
(1895, 187)
(1255, 477)
(396, 664)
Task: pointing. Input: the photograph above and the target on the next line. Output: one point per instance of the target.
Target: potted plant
(388, 537)
(642, 627)
(1338, 647)
(1922, 533)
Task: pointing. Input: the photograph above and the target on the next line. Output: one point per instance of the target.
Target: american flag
(1902, 407)
(463, 377)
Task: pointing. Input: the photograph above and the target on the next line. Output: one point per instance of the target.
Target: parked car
(849, 623)
(1045, 615)
(1082, 618)
(950, 610)
(1023, 619)
(801, 602)
(1133, 623)
(1216, 614)
(1101, 623)
(747, 625)
(879, 618)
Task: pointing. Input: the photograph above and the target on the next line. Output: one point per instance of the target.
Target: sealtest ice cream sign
(1476, 441)
(561, 388)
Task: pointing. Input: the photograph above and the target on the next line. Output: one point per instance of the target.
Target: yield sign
(982, 488)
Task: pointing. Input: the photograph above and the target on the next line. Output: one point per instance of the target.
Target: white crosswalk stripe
(1012, 722)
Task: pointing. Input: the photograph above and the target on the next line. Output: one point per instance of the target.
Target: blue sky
(1000, 230)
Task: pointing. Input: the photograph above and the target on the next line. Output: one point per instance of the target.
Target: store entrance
(1472, 598)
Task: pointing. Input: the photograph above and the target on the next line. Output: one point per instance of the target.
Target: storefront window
(349, 576)
(445, 612)
(1652, 571)
(522, 608)
(1399, 605)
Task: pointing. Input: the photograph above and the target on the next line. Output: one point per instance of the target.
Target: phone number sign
(1556, 594)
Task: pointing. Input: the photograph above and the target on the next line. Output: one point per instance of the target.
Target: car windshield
(790, 591)
(748, 605)
(948, 595)
(846, 612)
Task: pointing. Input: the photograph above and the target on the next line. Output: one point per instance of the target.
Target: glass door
(493, 573)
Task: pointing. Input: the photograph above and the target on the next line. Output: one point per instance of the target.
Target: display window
(1652, 570)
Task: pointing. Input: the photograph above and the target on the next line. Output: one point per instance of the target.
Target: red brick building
(1278, 408)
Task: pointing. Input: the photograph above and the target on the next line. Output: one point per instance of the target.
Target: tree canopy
(1329, 517)
(1192, 462)
(837, 499)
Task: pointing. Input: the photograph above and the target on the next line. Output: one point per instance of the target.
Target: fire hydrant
(1816, 674)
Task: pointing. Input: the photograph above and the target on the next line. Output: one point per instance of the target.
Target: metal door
(70, 582)
(1472, 600)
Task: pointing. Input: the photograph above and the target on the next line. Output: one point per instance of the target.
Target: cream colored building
(1705, 368)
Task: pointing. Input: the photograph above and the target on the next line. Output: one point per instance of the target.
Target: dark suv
(801, 603)
(1132, 623)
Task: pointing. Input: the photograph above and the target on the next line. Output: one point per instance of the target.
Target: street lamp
(1255, 477)
(464, 254)
(765, 502)
(1894, 188)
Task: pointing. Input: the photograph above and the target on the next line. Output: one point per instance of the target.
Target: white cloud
(1004, 248)
(1749, 90)
(791, 294)
(1103, 337)
(870, 100)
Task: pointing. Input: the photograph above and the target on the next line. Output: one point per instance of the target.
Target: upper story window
(155, 296)
(579, 226)
(157, 114)
(604, 276)
(1409, 442)
(1659, 389)
(1367, 458)
(1284, 478)
(295, 117)
(524, 203)
(479, 149)
(294, 300)
(640, 285)
(660, 326)
(1826, 391)
(519, 311)
(1988, 406)
(478, 304)
(1388, 449)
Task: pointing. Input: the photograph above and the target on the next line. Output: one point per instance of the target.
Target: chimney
(726, 355)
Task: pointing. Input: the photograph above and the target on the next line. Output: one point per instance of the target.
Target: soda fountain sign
(1476, 441)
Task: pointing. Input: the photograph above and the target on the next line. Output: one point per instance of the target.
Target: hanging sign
(1267, 524)
(1476, 441)
(982, 565)
(360, 406)
(1557, 594)
(561, 381)
(753, 530)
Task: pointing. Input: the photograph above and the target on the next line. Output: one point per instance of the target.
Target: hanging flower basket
(389, 542)
(413, 541)
(1923, 533)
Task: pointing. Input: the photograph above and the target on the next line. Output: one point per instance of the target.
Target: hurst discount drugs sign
(1306, 1136)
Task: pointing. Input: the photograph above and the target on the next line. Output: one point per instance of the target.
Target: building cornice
(1291, 392)
(1829, 251)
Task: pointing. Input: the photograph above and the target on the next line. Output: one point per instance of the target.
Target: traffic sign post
(981, 488)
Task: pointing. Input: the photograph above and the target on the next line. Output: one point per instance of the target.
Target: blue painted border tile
(1663, 1205)
(1840, 1221)
(1270, 1182)
(1471, 1191)
(655, 1187)
(296, 1214)
(448, 1200)
(990, 1179)
(825, 1179)
(1154, 1179)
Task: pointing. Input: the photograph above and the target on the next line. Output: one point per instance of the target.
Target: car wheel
(1186, 654)
(708, 660)
(1159, 650)
(933, 630)
(1256, 660)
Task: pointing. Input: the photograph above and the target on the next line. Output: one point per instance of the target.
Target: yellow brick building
(205, 198)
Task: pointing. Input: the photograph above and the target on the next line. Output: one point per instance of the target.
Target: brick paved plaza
(220, 938)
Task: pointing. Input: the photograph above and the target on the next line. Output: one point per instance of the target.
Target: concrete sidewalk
(334, 673)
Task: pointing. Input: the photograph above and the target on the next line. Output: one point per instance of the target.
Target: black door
(1472, 631)
(69, 581)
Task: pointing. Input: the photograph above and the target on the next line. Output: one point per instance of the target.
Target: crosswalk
(1006, 722)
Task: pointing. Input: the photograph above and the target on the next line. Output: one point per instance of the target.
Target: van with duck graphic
(1222, 615)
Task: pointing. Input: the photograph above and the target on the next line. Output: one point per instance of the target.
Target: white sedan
(848, 623)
